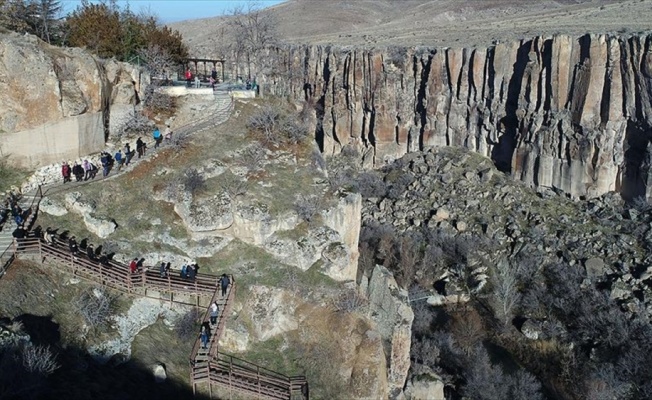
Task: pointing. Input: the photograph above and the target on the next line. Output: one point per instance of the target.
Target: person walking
(140, 147)
(133, 265)
(72, 244)
(128, 154)
(48, 235)
(224, 283)
(90, 252)
(118, 159)
(168, 134)
(65, 172)
(184, 271)
(157, 137)
(188, 77)
(190, 271)
(78, 171)
(105, 164)
(215, 310)
(161, 269)
(204, 337)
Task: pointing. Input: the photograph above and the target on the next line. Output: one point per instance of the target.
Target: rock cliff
(562, 112)
(59, 103)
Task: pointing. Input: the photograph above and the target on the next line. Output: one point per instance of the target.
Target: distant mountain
(453, 23)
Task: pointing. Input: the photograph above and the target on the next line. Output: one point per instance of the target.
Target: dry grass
(28, 288)
(442, 23)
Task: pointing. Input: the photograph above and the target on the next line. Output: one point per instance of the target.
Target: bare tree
(95, 306)
(253, 29)
(233, 186)
(158, 61)
(505, 290)
(266, 121)
(39, 359)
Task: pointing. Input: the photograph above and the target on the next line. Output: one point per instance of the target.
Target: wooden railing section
(209, 366)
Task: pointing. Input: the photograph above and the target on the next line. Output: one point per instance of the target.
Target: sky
(179, 10)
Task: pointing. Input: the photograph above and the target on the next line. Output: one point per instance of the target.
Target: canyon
(572, 114)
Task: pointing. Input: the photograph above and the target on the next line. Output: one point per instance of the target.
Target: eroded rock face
(344, 218)
(85, 207)
(563, 112)
(273, 310)
(142, 313)
(389, 307)
(60, 109)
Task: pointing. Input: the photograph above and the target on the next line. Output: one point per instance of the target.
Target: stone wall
(57, 102)
(562, 112)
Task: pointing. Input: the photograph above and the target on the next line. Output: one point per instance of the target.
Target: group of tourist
(212, 80)
(82, 172)
(214, 312)
(87, 170)
(12, 207)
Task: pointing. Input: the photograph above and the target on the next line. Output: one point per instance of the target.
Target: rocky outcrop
(389, 308)
(57, 102)
(562, 112)
(100, 227)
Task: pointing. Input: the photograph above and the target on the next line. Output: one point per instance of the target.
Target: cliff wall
(59, 103)
(568, 113)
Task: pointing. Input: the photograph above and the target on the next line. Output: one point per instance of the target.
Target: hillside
(433, 23)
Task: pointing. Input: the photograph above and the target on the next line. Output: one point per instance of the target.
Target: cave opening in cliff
(637, 160)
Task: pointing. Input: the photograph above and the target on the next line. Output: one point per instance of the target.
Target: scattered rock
(425, 387)
(159, 373)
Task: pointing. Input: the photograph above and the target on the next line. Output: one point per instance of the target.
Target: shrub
(138, 125)
(156, 101)
(350, 301)
(39, 360)
(95, 306)
(307, 207)
(253, 156)
(194, 182)
(294, 130)
(266, 120)
(370, 184)
(233, 186)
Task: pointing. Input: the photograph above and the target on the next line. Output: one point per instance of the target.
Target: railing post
(101, 273)
(258, 378)
(230, 374)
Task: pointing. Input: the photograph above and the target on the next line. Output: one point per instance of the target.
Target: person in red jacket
(133, 265)
(66, 172)
(188, 77)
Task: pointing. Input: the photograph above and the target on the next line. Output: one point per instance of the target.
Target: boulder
(425, 387)
(595, 268)
(79, 205)
(159, 373)
(100, 227)
(52, 207)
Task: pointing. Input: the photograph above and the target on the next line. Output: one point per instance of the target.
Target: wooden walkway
(209, 367)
